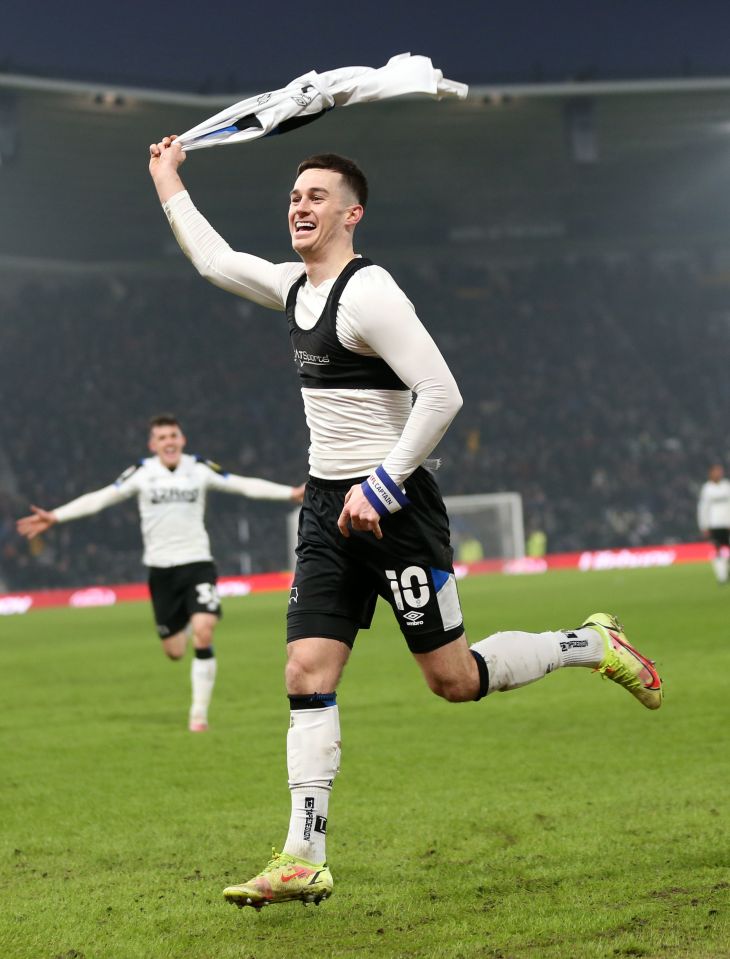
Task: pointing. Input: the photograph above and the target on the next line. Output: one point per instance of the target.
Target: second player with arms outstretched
(171, 488)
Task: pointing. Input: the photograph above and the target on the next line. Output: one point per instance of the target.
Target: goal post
(486, 526)
(483, 526)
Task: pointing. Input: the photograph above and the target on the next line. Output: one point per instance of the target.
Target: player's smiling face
(321, 208)
(168, 443)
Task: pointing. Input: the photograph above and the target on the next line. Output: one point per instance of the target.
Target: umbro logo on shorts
(414, 618)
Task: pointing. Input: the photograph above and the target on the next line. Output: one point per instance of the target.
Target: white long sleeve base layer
(313, 760)
(352, 431)
(515, 658)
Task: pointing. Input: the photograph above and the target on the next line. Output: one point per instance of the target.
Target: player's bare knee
(450, 688)
(301, 676)
(307, 674)
(203, 638)
(174, 646)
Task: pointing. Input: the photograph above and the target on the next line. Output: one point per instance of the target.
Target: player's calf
(452, 671)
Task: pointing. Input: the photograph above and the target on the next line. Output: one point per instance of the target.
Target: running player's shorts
(179, 591)
(337, 579)
(720, 537)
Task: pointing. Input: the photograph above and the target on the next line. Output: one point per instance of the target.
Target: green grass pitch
(559, 820)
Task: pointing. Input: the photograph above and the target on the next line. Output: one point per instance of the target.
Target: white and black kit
(361, 353)
(182, 575)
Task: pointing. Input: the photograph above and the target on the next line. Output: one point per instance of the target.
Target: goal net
(483, 526)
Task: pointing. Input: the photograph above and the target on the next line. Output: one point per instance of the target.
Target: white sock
(515, 658)
(313, 760)
(202, 678)
(581, 647)
(720, 565)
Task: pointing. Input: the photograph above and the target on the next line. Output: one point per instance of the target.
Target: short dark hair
(164, 419)
(348, 169)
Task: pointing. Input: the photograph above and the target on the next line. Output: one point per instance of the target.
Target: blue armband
(383, 494)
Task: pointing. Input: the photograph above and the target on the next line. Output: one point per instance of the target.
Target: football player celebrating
(171, 488)
(373, 522)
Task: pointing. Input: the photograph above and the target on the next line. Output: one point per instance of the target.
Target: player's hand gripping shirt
(713, 507)
(172, 505)
(352, 431)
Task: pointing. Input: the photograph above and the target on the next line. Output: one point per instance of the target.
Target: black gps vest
(322, 361)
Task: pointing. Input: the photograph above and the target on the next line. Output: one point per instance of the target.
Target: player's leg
(203, 669)
(505, 660)
(300, 871)
(175, 646)
(327, 604)
(313, 671)
(314, 664)
(514, 659)
(508, 660)
(204, 608)
(424, 598)
(723, 562)
(167, 593)
(720, 561)
(451, 671)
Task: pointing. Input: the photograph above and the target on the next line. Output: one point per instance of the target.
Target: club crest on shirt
(304, 98)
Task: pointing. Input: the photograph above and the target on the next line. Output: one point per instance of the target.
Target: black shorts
(179, 591)
(337, 579)
(720, 537)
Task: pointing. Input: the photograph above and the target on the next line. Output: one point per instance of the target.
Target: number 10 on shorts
(403, 591)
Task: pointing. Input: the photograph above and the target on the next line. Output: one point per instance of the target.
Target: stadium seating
(587, 384)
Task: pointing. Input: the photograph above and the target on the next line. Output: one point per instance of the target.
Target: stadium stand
(587, 388)
(581, 298)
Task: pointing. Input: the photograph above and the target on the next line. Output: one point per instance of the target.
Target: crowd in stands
(596, 388)
(85, 363)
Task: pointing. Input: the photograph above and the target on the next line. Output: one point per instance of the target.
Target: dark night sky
(219, 45)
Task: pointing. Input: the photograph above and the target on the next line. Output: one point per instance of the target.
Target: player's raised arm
(243, 274)
(166, 157)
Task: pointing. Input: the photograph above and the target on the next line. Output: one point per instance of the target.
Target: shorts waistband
(339, 484)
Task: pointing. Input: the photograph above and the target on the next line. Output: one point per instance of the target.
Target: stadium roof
(512, 168)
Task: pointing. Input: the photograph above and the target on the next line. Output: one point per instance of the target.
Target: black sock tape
(313, 701)
(483, 675)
